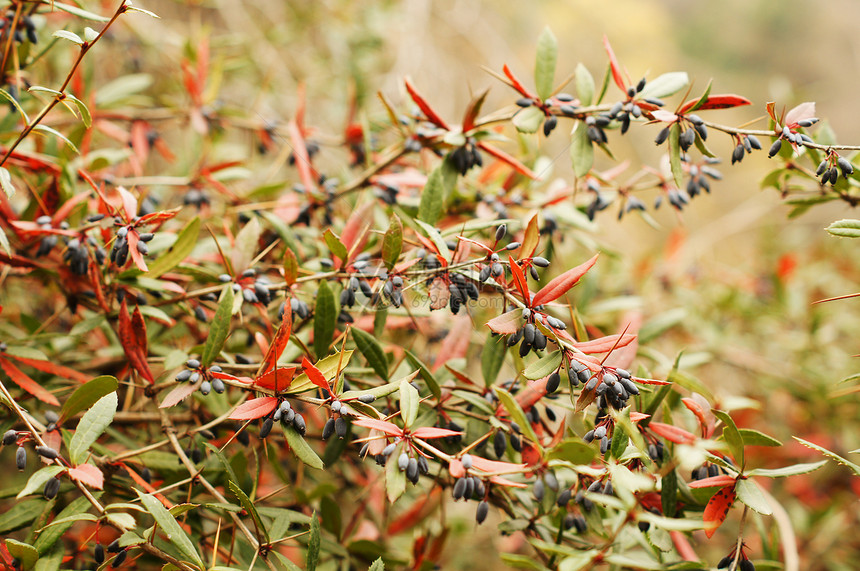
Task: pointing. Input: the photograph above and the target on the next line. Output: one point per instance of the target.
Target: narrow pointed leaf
(87, 394)
(372, 351)
(717, 509)
(181, 249)
(493, 357)
(170, 527)
(302, 449)
(732, 437)
(665, 85)
(263, 536)
(545, 62)
(562, 284)
(325, 319)
(316, 376)
(749, 493)
(254, 408)
(37, 480)
(408, 403)
(581, 149)
(92, 424)
(544, 366)
(425, 373)
(584, 84)
(432, 198)
(25, 382)
(219, 328)
(675, 154)
(392, 242)
(793, 470)
(617, 73)
(334, 244)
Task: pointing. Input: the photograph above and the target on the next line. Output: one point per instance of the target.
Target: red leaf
(697, 409)
(616, 67)
(54, 369)
(425, 108)
(717, 509)
(315, 375)
(456, 469)
(22, 380)
(506, 158)
(381, 425)
(456, 343)
(672, 433)
(355, 233)
(300, 151)
(279, 343)
(229, 377)
(516, 83)
(89, 475)
(277, 380)
(133, 338)
(506, 323)
(147, 486)
(519, 279)
(494, 466)
(530, 455)
(714, 481)
(803, 111)
(637, 416)
(505, 482)
(433, 432)
(178, 394)
(562, 284)
(158, 217)
(716, 102)
(642, 381)
(255, 408)
(129, 203)
(136, 255)
(604, 344)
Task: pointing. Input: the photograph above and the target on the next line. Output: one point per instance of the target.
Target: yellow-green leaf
(91, 426)
(219, 328)
(169, 526)
(545, 61)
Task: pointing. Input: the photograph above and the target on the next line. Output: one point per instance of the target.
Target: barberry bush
(232, 341)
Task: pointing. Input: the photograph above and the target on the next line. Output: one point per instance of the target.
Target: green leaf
(545, 61)
(20, 514)
(8, 96)
(425, 373)
(432, 198)
(517, 561)
(75, 511)
(845, 228)
(325, 319)
(577, 561)
(87, 394)
(528, 120)
(584, 84)
(263, 536)
(67, 35)
(793, 470)
(581, 149)
(23, 552)
(619, 441)
(377, 565)
(670, 523)
(328, 367)
(634, 560)
(86, 118)
(574, 451)
(409, 400)
(80, 13)
(246, 244)
(675, 154)
(544, 366)
(334, 244)
(57, 134)
(749, 493)
(516, 413)
(436, 238)
(669, 493)
(493, 357)
(180, 250)
(91, 426)
(51, 559)
(6, 184)
(755, 438)
(219, 328)
(392, 242)
(38, 479)
(302, 449)
(372, 351)
(732, 436)
(313, 544)
(665, 85)
(703, 99)
(170, 527)
(395, 478)
(285, 564)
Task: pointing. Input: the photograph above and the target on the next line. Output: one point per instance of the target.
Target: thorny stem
(148, 547)
(85, 47)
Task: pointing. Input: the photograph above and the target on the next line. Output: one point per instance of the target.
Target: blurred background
(731, 281)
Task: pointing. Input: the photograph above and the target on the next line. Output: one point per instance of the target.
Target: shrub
(342, 365)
